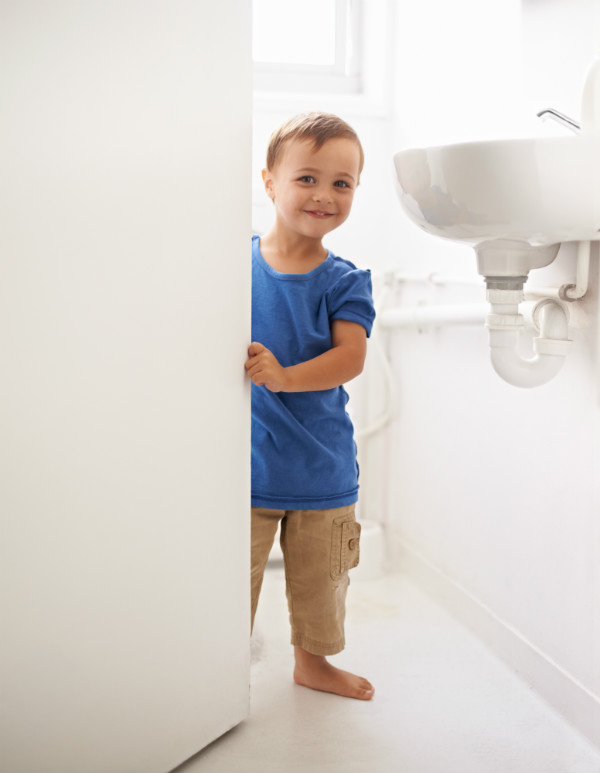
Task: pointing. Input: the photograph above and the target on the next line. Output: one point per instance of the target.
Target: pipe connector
(505, 325)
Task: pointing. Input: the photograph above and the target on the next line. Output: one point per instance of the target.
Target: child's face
(313, 189)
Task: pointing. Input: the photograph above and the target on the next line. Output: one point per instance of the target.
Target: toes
(366, 690)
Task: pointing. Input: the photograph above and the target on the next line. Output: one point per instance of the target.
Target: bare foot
(316, 672)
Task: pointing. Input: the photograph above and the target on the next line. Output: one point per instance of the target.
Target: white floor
(443, 703)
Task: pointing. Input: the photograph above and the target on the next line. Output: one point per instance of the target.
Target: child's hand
(264, 369)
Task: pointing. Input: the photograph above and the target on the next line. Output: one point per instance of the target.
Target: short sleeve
(351, 298)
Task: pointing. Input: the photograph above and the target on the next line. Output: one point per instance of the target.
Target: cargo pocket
(345, 545)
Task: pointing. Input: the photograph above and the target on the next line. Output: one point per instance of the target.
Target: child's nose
(322, 194)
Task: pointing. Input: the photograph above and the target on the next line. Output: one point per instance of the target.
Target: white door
(124, 427)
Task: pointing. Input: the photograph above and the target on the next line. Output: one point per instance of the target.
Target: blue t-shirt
(303, 451)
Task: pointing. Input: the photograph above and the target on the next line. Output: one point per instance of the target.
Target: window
(309, 46)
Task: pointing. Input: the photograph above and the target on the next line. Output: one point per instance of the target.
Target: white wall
(124, 412)
(492, 493)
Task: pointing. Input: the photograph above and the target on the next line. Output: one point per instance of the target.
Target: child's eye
(307, 178)
(341, 184)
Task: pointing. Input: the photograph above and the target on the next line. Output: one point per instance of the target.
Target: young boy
(311, 315)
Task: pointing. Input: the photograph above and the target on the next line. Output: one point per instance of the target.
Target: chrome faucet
(560, 118)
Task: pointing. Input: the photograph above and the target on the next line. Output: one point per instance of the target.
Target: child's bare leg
(316, 672)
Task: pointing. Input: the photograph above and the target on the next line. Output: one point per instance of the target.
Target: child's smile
(318, 214)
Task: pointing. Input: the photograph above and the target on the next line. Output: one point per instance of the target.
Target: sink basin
(512, 195)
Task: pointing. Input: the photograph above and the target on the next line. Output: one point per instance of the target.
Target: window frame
(341, 77)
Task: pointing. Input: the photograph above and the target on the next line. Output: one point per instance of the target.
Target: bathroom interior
(475, 610)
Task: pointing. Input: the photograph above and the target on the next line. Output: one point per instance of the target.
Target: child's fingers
(263, 368)
(253, 368)
(254, 361)
(260, 373)
(256, 366)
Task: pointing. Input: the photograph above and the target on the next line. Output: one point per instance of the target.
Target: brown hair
(318, 127)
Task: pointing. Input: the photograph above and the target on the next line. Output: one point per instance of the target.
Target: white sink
(520, 197)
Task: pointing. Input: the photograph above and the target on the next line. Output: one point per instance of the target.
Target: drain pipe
(506, 324)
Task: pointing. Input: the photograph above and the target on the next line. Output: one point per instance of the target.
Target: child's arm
(343, 362)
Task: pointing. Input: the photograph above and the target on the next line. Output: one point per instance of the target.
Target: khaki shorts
(319, 547)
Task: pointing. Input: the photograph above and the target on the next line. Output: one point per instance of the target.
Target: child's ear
(268, 181)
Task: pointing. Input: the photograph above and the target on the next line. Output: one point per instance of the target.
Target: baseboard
(578, 705)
